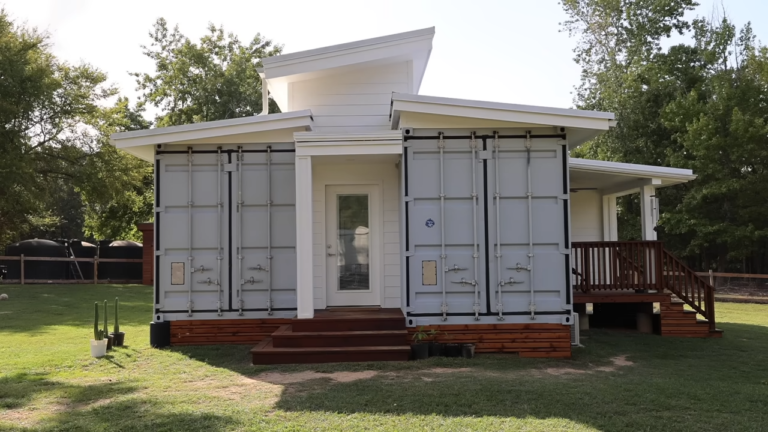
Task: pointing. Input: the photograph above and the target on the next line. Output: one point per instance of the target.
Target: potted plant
(419, 349)
(468, 350)
(98, 344)
(451, 349)
(118, 337)
(435, 347)
(107, 336)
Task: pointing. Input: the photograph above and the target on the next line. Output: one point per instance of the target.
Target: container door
(193, 268)
(549, 277)
(264, 231)
(453, 227)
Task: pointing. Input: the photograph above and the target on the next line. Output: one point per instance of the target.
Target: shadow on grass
(110, 406)
(19, 390)
(719, 382)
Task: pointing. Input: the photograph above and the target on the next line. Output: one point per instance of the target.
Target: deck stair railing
(640, 265)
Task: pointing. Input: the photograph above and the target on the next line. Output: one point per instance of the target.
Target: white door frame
(373, 296)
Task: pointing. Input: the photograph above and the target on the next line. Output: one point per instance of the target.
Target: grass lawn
(618, 382)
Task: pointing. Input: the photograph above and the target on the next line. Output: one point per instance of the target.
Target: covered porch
(638, 278)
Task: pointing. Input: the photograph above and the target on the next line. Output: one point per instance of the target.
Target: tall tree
(696, 105)
(45, 106)
(214, 79)
(54, 127)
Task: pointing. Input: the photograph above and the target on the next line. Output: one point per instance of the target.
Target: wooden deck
(644, 272)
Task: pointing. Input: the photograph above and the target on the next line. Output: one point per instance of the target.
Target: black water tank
(125, 249)
(81, 249)
(48, 270)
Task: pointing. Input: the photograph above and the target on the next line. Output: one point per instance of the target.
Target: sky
(505, 51)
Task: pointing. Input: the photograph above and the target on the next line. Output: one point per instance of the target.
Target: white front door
(353, 238)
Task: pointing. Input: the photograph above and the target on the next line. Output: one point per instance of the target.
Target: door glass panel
(353, 240)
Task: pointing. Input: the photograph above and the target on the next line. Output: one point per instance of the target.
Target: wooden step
(266, 353)
(286, 337)
(351, 320)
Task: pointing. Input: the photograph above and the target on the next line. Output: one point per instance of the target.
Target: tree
(120, 191)
(45, 106)
(697, 105)
(54, 132)
(214, 79)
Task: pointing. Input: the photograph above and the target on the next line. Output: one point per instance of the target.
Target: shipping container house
(330, 231)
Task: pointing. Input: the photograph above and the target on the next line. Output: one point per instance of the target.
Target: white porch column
(304, 266)
(610, 219)
(648, 212)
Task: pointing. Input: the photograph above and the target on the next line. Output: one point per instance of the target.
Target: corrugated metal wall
(425, 271)
(215, 293)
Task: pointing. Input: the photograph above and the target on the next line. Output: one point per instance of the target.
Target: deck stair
(346, 335)
(677, 321)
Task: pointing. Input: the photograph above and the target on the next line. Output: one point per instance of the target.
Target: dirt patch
(564, 371)
(448, 370)
(619, 361)
(291, 378)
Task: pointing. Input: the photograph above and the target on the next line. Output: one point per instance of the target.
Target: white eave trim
(676, 175)
(219, 128)
(375, 143)
(545, 116)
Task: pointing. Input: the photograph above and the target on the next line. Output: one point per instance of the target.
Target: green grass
(49, 382)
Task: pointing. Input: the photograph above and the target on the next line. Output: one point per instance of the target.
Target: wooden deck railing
(639, 265)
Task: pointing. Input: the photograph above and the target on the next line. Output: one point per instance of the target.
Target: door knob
(331, 254)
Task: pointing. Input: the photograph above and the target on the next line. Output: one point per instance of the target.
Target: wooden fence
(95, 262)
(713, 274)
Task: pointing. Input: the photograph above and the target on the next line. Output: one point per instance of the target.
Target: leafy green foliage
(214, 79)
(697, 105)
(53, 138)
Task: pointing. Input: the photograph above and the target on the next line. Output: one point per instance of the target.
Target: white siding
(387, 177)
(586, 216)
(356, 101)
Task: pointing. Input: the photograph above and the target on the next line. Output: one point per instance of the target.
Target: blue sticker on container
(430, 223)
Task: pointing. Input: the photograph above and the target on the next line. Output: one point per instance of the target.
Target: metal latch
(455, 268)
(464, 282)
(230, 167)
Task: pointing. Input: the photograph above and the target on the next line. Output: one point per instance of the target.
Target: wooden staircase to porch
(343, 335)
(631, 270)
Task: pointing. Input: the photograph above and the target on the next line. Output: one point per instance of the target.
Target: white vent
(575, 331)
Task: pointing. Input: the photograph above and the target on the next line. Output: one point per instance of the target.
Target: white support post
(648, 211)
(304, 264)
(610, 219)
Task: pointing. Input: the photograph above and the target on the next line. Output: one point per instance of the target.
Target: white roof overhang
(580, 125)
(364, 143)
(414, 46)
(141, 143)
(618, 178)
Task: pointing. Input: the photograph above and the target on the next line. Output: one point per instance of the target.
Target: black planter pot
(110, 342)
(435, 349)
(468, 351)
(452, 350)
(420, 351)
(118, 339)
